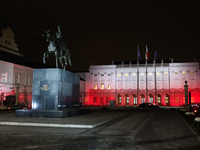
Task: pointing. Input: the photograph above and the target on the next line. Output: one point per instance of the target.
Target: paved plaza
(104, 129)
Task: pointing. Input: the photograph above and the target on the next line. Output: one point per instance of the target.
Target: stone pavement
(84, 121)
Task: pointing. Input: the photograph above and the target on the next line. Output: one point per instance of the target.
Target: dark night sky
(104, 31)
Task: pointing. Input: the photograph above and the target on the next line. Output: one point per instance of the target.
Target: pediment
(8, 30)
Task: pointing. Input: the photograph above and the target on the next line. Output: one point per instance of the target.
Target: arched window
(167, 99)
(119, 99)
(142, 98)
(135, 99)
(150, 98)
(127, 99)
(159, 99)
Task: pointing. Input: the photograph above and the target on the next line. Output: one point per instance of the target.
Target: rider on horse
(60, 40)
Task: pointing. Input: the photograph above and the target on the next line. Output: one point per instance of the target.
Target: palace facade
(15, 69)
(129, 83)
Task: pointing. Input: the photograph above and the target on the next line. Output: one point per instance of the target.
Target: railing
(23, 97)
(142, 65)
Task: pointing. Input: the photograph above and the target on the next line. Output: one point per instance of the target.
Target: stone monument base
(37, 113)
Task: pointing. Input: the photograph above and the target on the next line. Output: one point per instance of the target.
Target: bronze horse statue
(58, 47)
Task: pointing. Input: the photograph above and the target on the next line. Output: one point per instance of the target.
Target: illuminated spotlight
(34, 105)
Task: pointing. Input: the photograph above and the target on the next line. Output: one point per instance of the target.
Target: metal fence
(24, 97)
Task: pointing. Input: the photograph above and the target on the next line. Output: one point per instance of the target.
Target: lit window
(191, 72)
(102, 86)
(135, 100)
(126, 74)
(120, 100)
(127, 100)
(176, 72)
(27, 81)
(159, 99)
(150, 74)
(109, 86)
(192, 99)
(133, 74)
(166, 73)
(166, 100)
(4, 77)
(176, 99)
(158, 74)
(95, 87)
(102, 74)
(184, 72)
(16, 79)
(142, 74)
(184, 100)
(119, 74)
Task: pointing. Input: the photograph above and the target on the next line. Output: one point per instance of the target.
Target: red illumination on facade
(132, 84)
(13, 92)
(129, 97)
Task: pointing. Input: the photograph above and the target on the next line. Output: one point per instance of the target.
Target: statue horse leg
(46, 54)
(56, 57)
(61, 62)
(68, 57)
(65, 62)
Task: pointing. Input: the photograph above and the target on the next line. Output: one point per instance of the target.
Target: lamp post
(186, 95)
(25, 97)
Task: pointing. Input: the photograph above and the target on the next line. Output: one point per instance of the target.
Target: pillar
(17, 94)
(186, 95)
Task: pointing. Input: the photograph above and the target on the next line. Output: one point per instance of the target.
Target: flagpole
(155, 80)
(137, 75)
(146, 78)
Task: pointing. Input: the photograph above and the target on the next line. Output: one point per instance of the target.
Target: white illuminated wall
(11, 74)
(170, 80)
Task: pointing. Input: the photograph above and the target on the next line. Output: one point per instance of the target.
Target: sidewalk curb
(56, 125)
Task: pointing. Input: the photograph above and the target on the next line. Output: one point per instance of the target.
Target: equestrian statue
(57, 46)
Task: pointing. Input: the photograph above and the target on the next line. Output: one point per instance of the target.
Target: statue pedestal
(55, 92)
(36, 113)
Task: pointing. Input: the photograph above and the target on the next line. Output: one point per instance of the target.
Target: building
(7, 41)
(13, 75)
(129, 83)
(15, 69)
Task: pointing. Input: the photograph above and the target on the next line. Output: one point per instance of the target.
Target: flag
(147, 54)
(155, 53)
(139, 56)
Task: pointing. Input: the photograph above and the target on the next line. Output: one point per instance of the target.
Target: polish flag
(147, 54)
